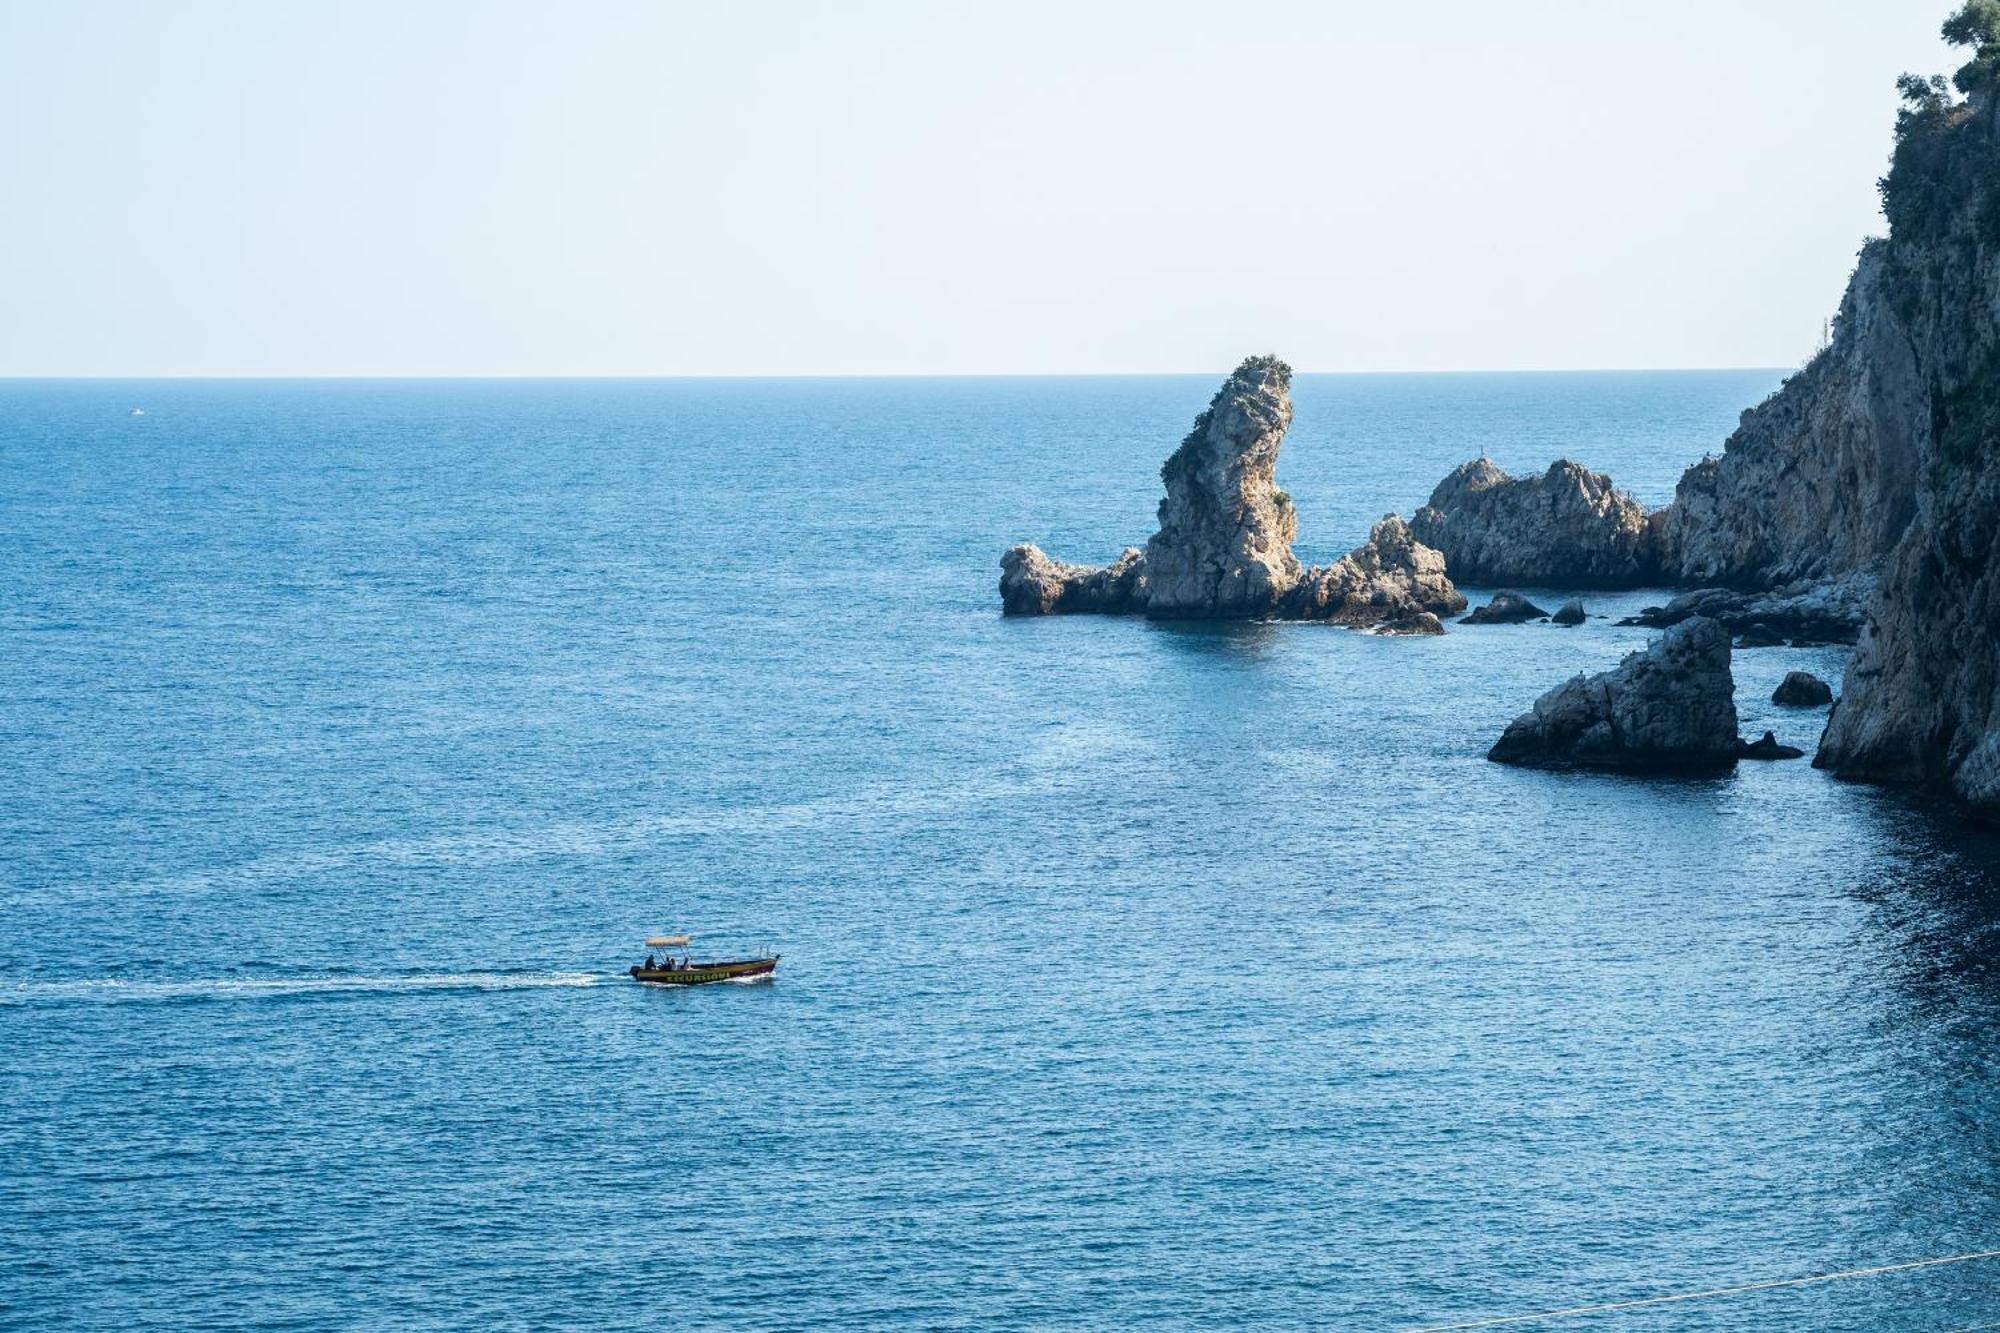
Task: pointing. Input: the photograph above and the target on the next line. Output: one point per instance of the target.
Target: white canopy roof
(668, 941)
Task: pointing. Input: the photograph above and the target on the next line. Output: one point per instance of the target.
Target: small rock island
(1224, 545)
(1670, 707)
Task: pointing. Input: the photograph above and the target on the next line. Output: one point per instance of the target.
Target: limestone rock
(1570, 613)
(1031, 584)
(1224, 547)
(1506, 608)
(1568, 527)
(1390, 579)
(1802, 689)
(1819, 480)
(1668, 708)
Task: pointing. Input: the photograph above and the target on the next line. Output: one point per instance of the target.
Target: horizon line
(481, 376)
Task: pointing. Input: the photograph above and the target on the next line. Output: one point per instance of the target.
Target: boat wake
(117, 990)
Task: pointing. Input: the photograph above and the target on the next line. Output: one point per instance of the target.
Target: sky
(641, 187)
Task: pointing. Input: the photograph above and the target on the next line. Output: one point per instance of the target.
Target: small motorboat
(664, 968)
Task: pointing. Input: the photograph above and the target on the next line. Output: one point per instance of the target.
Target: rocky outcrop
(1804, 613)
(1031, 584)
(1569, 527)
(1767, 746)
(1506, 608)
(1668, 708)
(1569, 614)
(1820, 479)
(1921, 702)
(1224, 545)
(1802, 689)
(1390, 578)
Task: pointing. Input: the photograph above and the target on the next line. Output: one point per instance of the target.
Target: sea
(354, 734)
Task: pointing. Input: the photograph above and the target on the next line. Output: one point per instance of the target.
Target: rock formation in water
(1569, 527)
(1802, 689)
(1391, 580)
(1569, 614)
(1224, 545)
(1506, 608)
(1668, 708)
(1921, 703)
(1804, 612)
(1767, 746)
(1031, 584)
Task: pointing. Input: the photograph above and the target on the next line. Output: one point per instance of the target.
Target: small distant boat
(138, 412)
(663, 968)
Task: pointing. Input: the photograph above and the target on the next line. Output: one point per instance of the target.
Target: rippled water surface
(352, 734)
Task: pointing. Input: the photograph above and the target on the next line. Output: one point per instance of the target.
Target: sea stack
(1224, 545)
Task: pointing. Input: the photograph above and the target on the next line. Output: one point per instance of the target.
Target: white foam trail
(121, 990)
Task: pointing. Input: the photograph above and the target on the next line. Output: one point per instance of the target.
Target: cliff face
(1570, 527)
(1920, 703)
(1224, 546)
(1820, 479)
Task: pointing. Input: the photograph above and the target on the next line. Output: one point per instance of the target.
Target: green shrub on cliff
(1977, 26)
(1936, 170)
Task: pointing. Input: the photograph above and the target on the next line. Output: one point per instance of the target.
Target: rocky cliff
(1224, 544)
(1920, 703)
(1569, 527)
(1820, 479)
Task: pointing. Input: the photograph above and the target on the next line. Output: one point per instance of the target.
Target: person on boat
(649, 962)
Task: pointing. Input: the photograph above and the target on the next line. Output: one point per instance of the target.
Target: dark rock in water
(1031, 584)
(1568, 526)
(1805, 613)
(1569, 613)
(1506, 608)
(1224, 545)
(1416, 622)
(1767, 747)
(1669, 708)
(1760, 635)
(1802, 689)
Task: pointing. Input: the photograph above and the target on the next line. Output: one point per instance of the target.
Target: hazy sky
(741, 188)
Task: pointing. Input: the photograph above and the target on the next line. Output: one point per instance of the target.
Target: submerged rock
(1568, 526)
(1415, 622)
(1802, 689)
(1568, 614)
(1224, 545)
(1506, 608)
(1767, 747)
(1668, 708)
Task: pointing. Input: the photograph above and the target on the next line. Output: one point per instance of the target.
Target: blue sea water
(352, 734)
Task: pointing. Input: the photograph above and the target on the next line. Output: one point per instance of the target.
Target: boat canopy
(668, 941)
